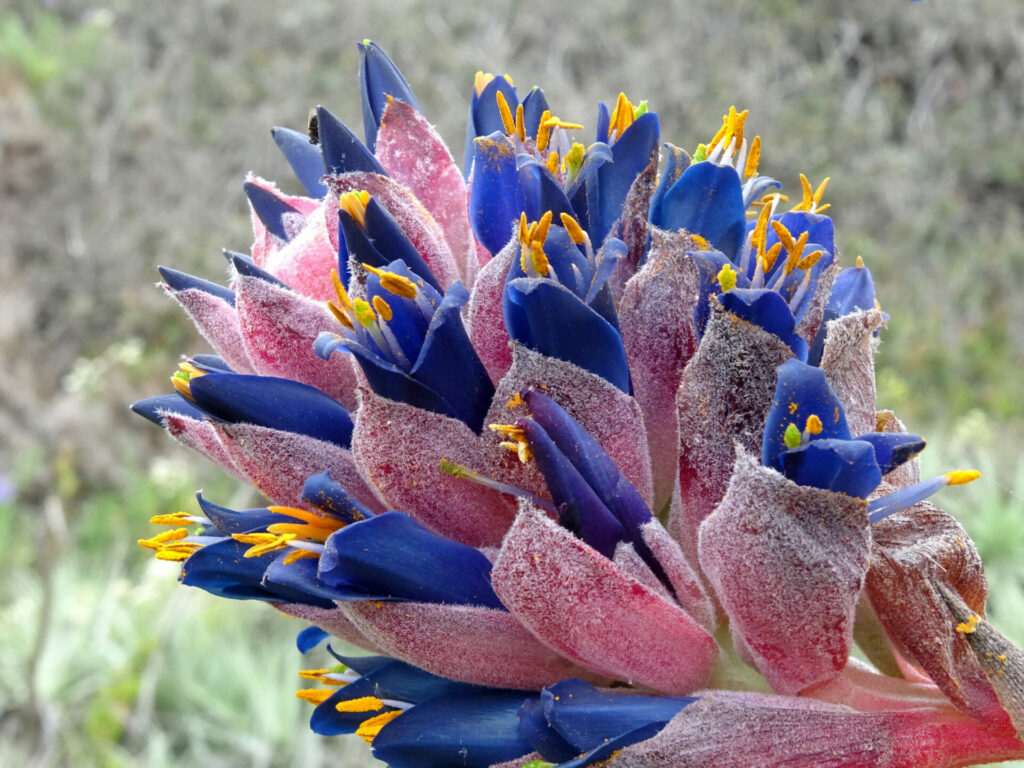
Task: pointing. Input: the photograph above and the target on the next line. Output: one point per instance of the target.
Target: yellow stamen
(820, 191)
(557, 122)
(573, 228)
(302, 530)
(383, 308)
(524, 228)
(810, 259)
(544, 131)
(813, 425)
(180, 384)
(263, 543)
(700, 243)
(176, 518)
(962, 476)
(860, 262)
(392, 282)
(771, 256)
(520, 123)
(164, 537)
(354, 204)
(339, 290)
(736, 122)
(339, 315)
(727, 277)
(299, 554)
(539, 259)
(793, 259)
(506, 114)
(315, 695)
(313, 518)
(480, 81)
(516, 440)
(753, 158)
(784, 236)
(514, 401)
(718, 136)
(760, 235)
(552, 163)
(621, 117)
(176, 552)
(540, 232)
(362, 704)
(370, 728)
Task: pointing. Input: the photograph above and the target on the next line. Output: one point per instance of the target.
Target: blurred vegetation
(125, 130)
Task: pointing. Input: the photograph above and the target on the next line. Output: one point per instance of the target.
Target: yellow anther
(315, 696)
(313, 518)
(734, 132)
(340, 315)
(544, 131)
(481, 81)
(383, 308)
(552, 163)
(524, 228)
(302, 530)
(784, 236)
(962, 476)
(793, 258)
(263, 543)
(299, 554)
(370, 728)
(813, 425)
(573, 228)
(717, 137)
(164, 537)
(760, 235)
(753, 158)
(810, 259)
(700, 243)
(820, 191)
(860, 262)
(811, 197)
(539, 259)
(176, 552)
(621, 117)
(507, 120)
(557, 122)
(539, 232)
(520, 123)
(339, 290)
(516, 441)
(312, 674)
(726, 277)
(176, 518)
(362, 704)
(365, 315)
(970, 626)
(769, 258)
(392, 282)
(354, 204)
(515, 400)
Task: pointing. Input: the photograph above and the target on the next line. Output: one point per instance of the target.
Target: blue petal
(893, 448)
(534, 106)
(151, 407)
(470, 731)
(484, 110)
(676, 162)
(602, 754)
(589, 459)
(549, 319)
(768, 310)
(358, 245)
(342, 151)
(631, 153)
(299, 580)
(275, 403)
(240, 521)
(890, 504)
(210, 363)
(223, 570)
(270, 209)
(801, 391)
(246, 267)
(494, 191)
(580, 510)
(379, 78)
(587, 717)
(449, 365)
(709, 264)
(544, 739)
(384, 378)
(304, 157)
(391, 556)
(603, 123)
(707, 200)
(853, 291)
(539, 191)
(310, 638)
(389, 239)
(842, 466)
(180, 281)
(322, 492)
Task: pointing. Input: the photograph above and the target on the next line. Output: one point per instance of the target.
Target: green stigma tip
(183, 375)
(367, 41)
(793, 436)
(449, 467)
(538, 764)
(640, 109)
(701, 154)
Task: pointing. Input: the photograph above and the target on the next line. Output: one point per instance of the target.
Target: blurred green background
(125, 131)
